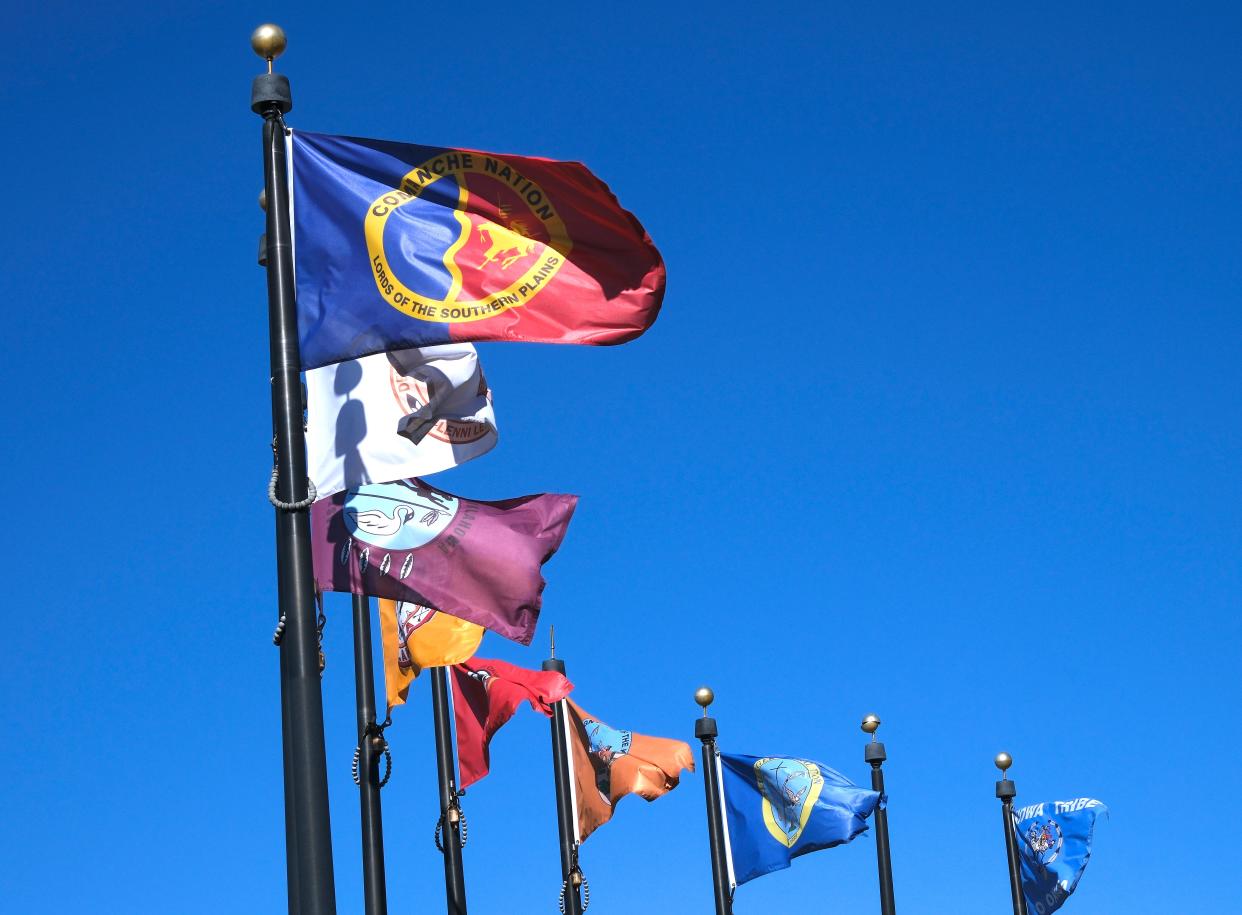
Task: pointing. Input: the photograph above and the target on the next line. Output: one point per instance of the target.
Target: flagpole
(371, 747)
(291, 795)
(705, 730)
(1006, 790)
(450, 835)
(571, 876)
(286, 733)
(305, 764)
(874, 754)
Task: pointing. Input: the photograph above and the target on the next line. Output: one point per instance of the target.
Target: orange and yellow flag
(415, 637)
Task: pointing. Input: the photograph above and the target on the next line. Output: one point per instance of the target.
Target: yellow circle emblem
(508, 244)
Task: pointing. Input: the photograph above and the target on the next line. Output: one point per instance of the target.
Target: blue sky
(941, 421)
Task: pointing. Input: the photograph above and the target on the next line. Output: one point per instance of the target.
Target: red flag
(485, 696)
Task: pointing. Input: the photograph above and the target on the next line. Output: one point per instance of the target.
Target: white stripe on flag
(573, 781)
(724, 823)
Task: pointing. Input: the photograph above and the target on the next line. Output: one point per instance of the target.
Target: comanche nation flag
(478, 561)
(398, 245)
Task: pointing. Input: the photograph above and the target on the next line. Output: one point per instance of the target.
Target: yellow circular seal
(509, 244)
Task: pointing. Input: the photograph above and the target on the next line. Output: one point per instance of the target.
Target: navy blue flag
(778, 807)
(1054, 842)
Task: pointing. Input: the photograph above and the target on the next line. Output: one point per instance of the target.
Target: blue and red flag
(398, 245)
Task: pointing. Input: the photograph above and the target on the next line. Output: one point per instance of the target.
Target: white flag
(396, 415)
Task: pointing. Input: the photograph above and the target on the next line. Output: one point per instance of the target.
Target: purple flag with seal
(478, 561)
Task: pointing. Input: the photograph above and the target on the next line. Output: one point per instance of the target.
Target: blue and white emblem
(1045, 839)
(606, 743)
(398, 516)
(790, 788)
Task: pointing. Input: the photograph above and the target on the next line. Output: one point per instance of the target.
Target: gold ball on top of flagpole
(1003, 761)
(704, 697)
(871, 724)
(269, 42)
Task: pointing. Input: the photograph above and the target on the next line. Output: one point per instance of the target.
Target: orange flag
(415, 637)
(609, 764)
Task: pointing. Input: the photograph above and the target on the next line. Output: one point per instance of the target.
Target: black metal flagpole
(291, 797)
(571, 875)
(286, 731)
(371, 747)
(313, 884)
(1006, 790)
(705, 730)
(449, 831)
(874, 754)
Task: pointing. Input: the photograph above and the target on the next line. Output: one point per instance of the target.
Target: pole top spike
(552, 641)
(1003, 761)
(704, 697)
(871, 724)
(269, 42)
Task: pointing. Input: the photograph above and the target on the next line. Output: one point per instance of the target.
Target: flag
(778, 807)
(416, 637)
(1054, 843)
(608, 764)
(477, 561)
(485, 696)
(396, 415)
(398, 245)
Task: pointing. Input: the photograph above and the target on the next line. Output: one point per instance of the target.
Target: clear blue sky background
(941, 420)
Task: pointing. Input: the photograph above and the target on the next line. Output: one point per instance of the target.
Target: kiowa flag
(608, 764)
(485, 696)
(478, 561)
(1054, 845)
(418, 637)
(398, 245)
(396, 415)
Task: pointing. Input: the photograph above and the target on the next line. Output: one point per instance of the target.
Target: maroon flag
(407, 541)
(485, 696)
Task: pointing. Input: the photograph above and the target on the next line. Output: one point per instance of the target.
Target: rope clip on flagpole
(575, 894)
(308, 831)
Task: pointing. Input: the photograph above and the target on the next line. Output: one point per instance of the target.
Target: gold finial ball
(871, 724)
(268, 41)
(704, 696)
(263, 200)
(1003, 761)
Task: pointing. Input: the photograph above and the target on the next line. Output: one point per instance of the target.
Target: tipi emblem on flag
(490, 239)
(790, 788)
(397, 516)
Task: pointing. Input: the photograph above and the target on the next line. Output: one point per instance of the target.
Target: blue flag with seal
(1054, 843)
(779, 807)
(398, 246)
